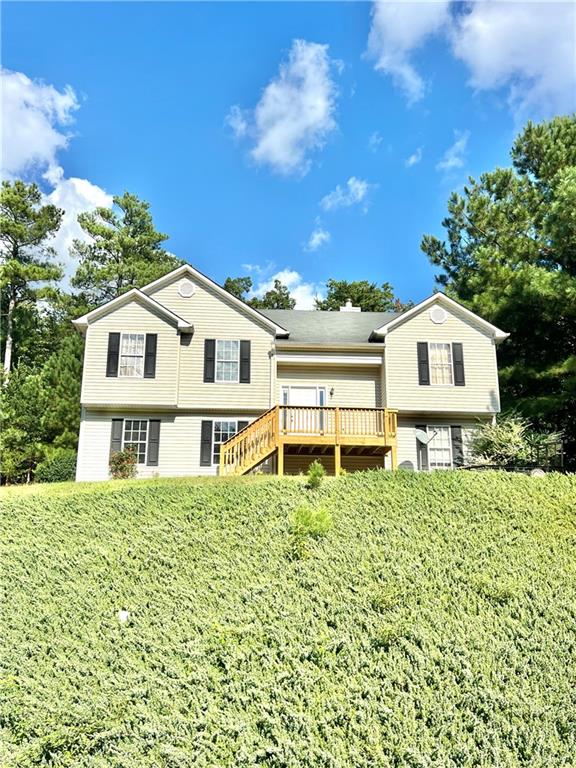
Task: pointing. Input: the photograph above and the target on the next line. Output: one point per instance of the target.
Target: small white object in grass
(123, 616)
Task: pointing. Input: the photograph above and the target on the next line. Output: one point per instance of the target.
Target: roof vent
(186, 288)
(349, 308)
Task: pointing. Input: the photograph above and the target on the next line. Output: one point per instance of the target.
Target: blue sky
(328, 157)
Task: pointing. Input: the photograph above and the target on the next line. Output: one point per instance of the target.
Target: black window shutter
(423, 367)
(242, 425)
(116, 435)
(150, 356)
(457, 446)
(113, 354)
(206, 444)
(422, 450)
(458, 362)
(209, 359)
(244, 362)
(153, 442)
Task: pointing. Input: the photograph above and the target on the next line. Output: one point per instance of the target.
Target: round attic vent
(438, 315)
(186, 289)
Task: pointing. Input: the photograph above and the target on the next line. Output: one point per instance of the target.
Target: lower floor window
(223, 430)
(440, 448)
(135, 434)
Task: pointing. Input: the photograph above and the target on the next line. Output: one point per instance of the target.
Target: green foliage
(236, 656)
(62, 379)
(28, 263)
(510, 441)
(368, 296)
(277, 297)
(124, 250)
(124, 464)
(311, 521)
(58, 468)
(510, 255)
(316, 473)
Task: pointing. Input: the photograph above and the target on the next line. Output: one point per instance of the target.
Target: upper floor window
(440, 363)
(227, 360)
(132, 355)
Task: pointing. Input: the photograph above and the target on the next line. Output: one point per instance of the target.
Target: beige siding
(355, 386)
(133, 317)
(407, 458)
(179, 450)
(479, 395)
(215, 318)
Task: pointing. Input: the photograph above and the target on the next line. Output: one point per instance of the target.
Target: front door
(304, 421)
(304, 396)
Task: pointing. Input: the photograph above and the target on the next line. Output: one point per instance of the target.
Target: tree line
(509, 254)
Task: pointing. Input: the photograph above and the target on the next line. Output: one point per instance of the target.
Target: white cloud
(397, 29)
(33, 118)
(303, 292)
(74, 196)
(528, 47)
(295, 113)
(353, 193)
(318, 238)
(375, 141)
(414, 158)
(455, 155)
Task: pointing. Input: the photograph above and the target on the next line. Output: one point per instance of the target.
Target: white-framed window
(136, 436)
(132, 355)
(227, 361)
(440, 360)
(440, 447)
(223, 430)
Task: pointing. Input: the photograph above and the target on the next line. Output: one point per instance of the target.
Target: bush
(60, 467)
(311, 521)
(316, 474)
(123, 464)
(511, 440)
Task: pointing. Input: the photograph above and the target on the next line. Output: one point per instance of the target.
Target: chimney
(349, 308)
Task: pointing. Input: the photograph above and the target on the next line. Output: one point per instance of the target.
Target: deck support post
(280, 459)
(337, 460)
(394, 456)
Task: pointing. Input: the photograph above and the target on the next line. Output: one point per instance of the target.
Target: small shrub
(316, 473)
(123, 464)
(388, 634)
(311, 521)
(58, 468)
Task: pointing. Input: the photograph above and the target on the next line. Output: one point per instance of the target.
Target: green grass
(433, 624)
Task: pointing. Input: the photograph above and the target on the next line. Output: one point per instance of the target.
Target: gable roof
(441, 298)
(314, 326)
(187, 270)
(125, 298)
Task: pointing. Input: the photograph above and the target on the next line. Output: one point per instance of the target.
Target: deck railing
(306, 424)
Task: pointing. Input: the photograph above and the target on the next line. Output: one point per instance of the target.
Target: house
(202, 384)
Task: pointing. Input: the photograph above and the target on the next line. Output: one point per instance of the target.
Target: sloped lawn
(433, 625)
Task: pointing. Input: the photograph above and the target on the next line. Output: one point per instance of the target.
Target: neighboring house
(201, 383)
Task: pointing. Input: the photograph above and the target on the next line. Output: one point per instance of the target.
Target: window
(135, 436)
(132, 355)
(440, 363)
(440, 448)
(227, 360)
(223, 430)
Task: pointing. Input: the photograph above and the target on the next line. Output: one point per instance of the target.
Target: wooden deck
(288, 425)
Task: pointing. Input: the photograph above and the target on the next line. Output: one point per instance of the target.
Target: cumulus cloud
(375, 141)
(295, 113)
(354, 192)
(318, 238)
(35, 119)
(398, 29)
(302, 291)
(414, 158)
(528, 47)
(455, 155)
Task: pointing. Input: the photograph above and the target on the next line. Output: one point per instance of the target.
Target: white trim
(318, 387)
(226, 381)
(436, 428)
(446, 344)
(330, 359)
(214, 422)
(132, 295)
(138, 463)
(186, 269)
(135, 376)
(495, 332)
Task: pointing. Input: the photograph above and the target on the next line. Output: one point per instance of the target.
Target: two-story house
(200, 383)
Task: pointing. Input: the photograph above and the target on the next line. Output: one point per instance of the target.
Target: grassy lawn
(433, 625)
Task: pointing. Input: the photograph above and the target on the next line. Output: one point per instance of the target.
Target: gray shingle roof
(310, 326)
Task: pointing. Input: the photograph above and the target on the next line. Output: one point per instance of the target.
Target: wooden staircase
(305, 425)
